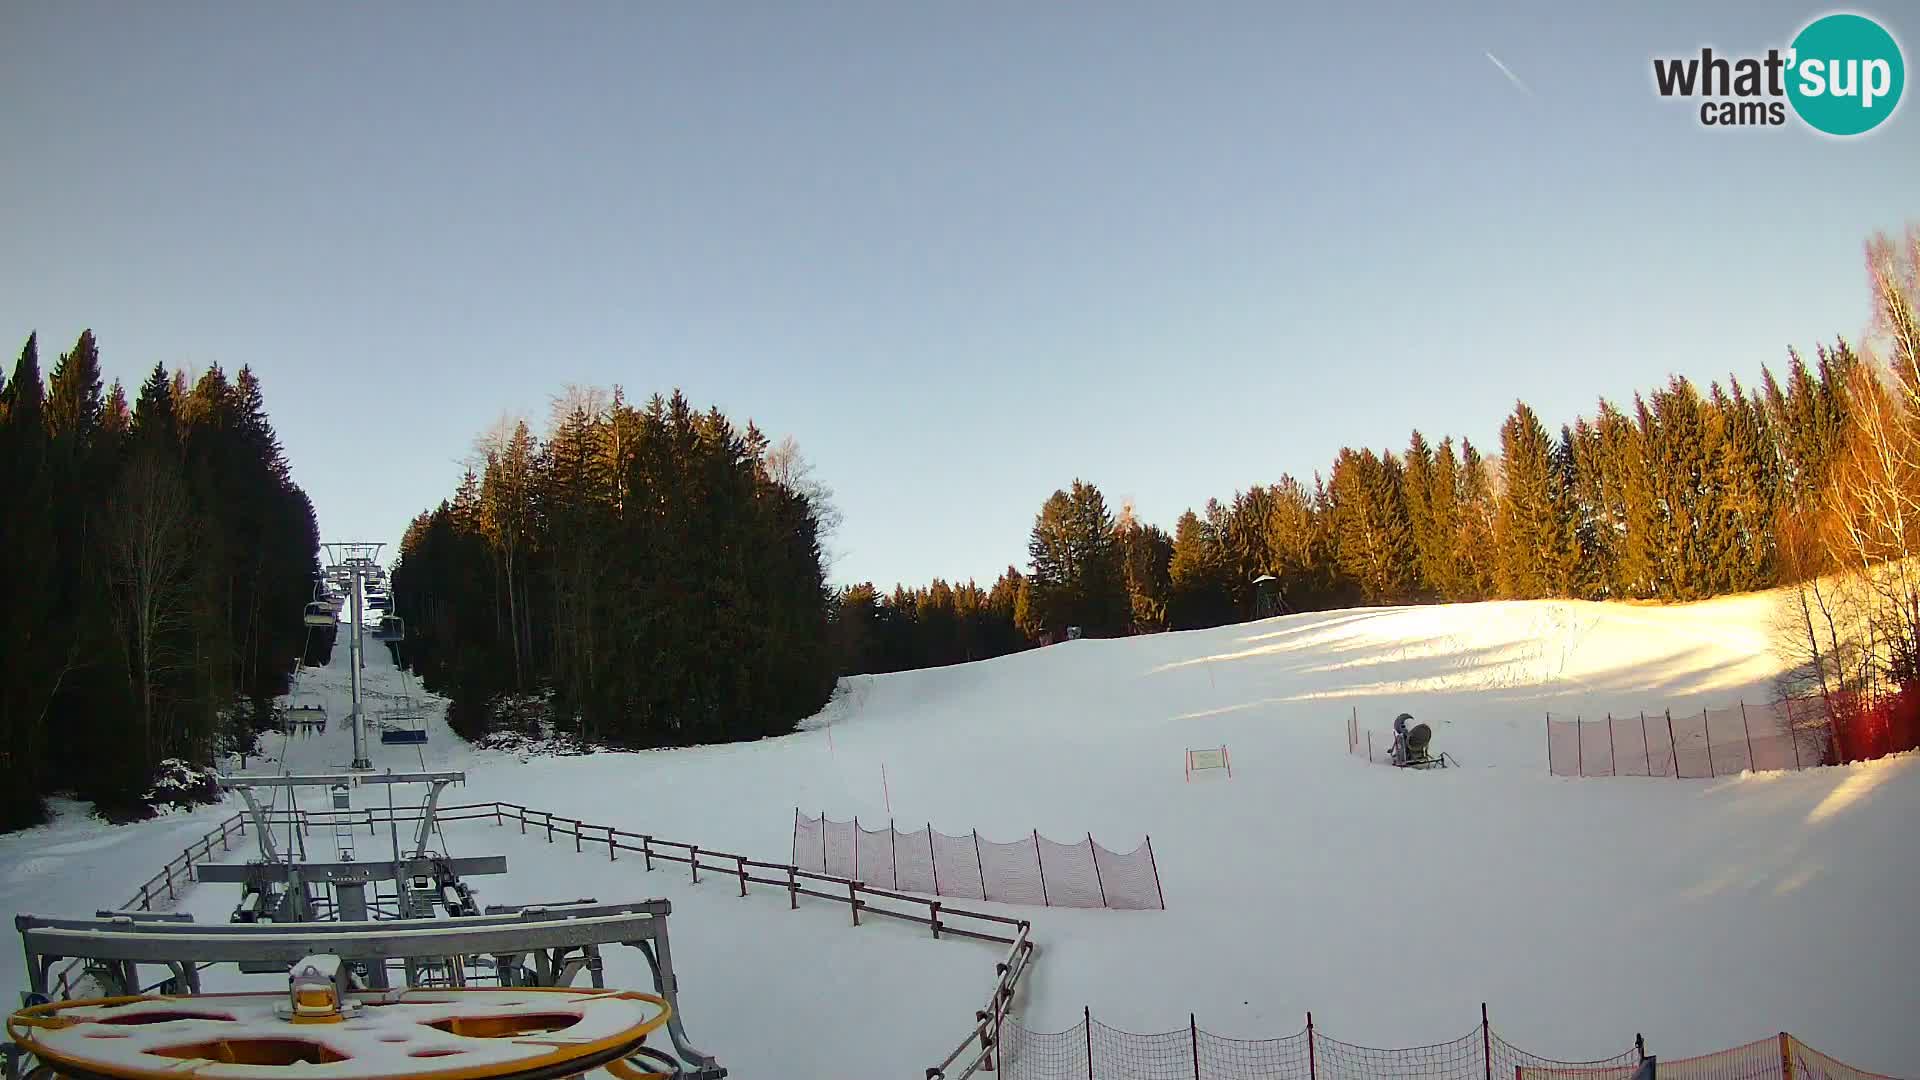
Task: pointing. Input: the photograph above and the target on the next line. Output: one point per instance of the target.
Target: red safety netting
(1012, 872)
(1865, 728)
(1715, 742)
(1071, 874)
(1755, 1061)
(1269, 1059)
(956, 867)
(1124, 1055)
(1131, 879)
(1091, 1049)
(1459, 1059)
(873, 856)
(1814, 1065)
(913, 862)
(1032, 870)
(1510, 1060)
(1037, 1055)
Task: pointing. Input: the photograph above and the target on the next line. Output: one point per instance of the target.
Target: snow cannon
(1412, 746)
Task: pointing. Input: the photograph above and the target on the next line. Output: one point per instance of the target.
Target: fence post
(1157, 891)
(823, 843)
(1579, 747)
(1486, 1041)
(856, 847)
(549, 814)
(1706, 721)
(1673, 745)
(577, 826)
(1313, 1066)
(1086, 1022)
(741, 860)
(522, 815)
(1549, 754)
(1044, 902)
(496, 813)
(1613, 757)
(893, 851)
(853, 900)
(979, 865)
(931, 861)
(1094, 854)
(186, 856)
(1752, 766)
(793, 890)
(693, 861)
(646, 850)
(1193, 1032)
(933, 917)
(610, 845)
(1646, 746)
(796, 838)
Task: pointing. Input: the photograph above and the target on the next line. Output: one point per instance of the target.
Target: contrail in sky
(1511, 77)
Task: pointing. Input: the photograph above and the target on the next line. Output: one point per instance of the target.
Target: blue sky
(963, 253)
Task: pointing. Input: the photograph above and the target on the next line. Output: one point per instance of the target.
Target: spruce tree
(1431, 547)
(1534, 536)
(73, 392)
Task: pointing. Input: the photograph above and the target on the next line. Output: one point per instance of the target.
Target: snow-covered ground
(1702, 913)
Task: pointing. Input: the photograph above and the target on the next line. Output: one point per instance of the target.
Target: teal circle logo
(1846, 74)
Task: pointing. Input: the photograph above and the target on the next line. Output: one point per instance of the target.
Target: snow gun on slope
(1412, 746)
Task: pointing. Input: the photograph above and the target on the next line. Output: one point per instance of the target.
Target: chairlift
(390, 628)
(404, 725)
(319, 614)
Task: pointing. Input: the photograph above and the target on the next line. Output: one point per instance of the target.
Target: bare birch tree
(150, 554)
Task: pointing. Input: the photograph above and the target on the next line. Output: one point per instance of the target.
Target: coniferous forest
(656, 568)
(655, 572)
(1682, 494)
(158, 561)
(1677, 496)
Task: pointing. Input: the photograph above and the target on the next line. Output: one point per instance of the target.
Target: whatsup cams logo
(1842, 75)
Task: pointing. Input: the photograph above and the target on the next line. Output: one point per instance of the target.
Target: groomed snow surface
(1702, 913)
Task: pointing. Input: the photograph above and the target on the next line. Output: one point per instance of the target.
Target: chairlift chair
(319, 614)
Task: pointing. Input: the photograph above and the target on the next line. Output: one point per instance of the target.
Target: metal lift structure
(493, 985)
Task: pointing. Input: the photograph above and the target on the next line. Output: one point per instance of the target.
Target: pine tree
(1076, 574)
(1196, 574)
(1371, 538)
(1534, 537)
(1443, 565)
(1479, 525)
(29, 621)
(73, 397)
(1432, 547)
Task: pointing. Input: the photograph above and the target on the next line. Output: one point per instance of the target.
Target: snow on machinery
(530, 1024)
(478, 994)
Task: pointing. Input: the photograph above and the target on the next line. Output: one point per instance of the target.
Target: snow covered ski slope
(1703, 913)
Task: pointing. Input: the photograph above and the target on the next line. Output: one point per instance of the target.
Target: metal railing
(942, 919)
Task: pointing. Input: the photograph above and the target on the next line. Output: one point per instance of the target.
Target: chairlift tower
(361, 561)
